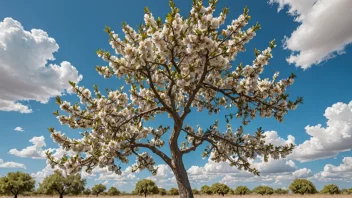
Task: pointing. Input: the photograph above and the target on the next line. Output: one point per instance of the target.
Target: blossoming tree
(175, 67)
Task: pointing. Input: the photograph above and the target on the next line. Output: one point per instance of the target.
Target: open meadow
(203, 196)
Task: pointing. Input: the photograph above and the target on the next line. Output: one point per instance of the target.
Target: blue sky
(77, 28)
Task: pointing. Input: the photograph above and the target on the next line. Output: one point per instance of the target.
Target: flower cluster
(236, 147)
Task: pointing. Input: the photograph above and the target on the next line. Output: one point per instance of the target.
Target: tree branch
(154, 150)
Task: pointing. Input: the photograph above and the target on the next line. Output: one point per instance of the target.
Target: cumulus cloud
(164, 176)
(19, 129)
(105, 174)
(35, 151)
(11, 165)
(274, 138)
(302, 173)
(340, 172)
(323, 32)
(328, 141)
(24, 67)
(40, 175)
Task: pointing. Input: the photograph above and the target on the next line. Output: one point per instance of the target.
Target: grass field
(200, 196)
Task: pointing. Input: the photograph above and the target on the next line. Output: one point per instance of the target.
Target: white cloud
(35, 151)
(11, 165)
(302, 173)
(324, 31)
(273, 138)
(105, 174)
(24, 67)
(40, 175)
(6, 105)
(164, 176)
(327, 141)
(19, 129)
(342, 172)
(275, 166)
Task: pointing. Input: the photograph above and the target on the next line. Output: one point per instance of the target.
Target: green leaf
(72, 83)
(56, 113)
(58, 100)
(146, 10)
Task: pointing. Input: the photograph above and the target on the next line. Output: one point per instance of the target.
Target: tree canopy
(173, 191)
(195, 191)
(242, 190)
(174, 67)
(87, 191)
(98, 188)
(346, 191)
(61, 184)
(16, 182)
(220, 189)
(302, 186)
(146, 187)
(206, 190)
(162, 191)
(330, 189)
(281, 191)
(113, 191)
(263, 190)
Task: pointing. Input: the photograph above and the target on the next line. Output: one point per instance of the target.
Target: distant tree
(302, 186)
(263, 190)
(231, 191)
(195, 191)
(134, 192)
(281, 191)
(345, 191)
(98, 188)
(206, 190)
(162, 191)
(113, 191)
(61, 184)
(34, 193)
(87, 191)
(220, 189)
(125, 193)
(330, 189)
(242, 190)
(173, 191)
(16, 183)
(146, 187)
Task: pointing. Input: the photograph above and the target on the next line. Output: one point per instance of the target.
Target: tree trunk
(181, 176)
(145, 194)
(15, 195)
(61, 195)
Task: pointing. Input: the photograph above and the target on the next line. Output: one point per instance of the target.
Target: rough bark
(184, 186)
(181, 176)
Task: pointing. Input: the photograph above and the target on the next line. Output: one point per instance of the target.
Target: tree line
(19, 183)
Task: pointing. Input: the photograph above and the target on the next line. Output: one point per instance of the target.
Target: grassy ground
(201, 196)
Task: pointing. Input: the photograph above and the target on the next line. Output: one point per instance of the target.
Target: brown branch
(154, 150)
